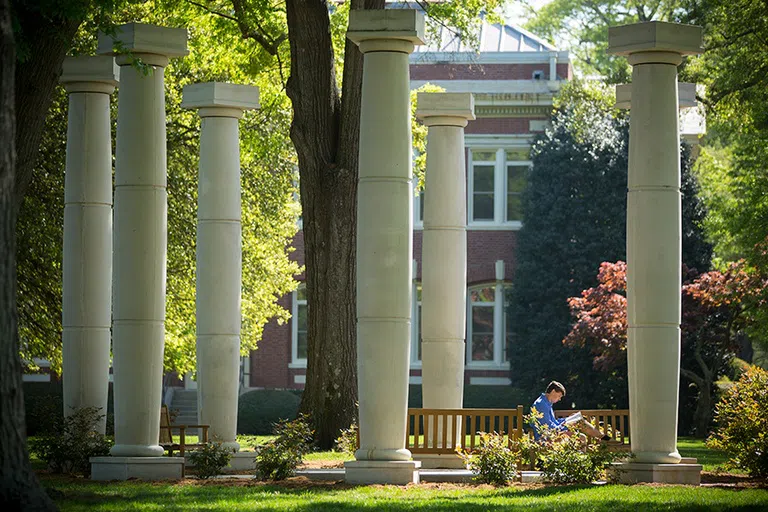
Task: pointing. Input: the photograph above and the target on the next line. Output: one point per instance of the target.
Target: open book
(573, 418)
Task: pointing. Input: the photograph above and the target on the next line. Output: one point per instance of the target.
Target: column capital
(445, 108)
(389, 28)
(90, 74)
(218, 99)
(647, 41)
(140, 38)
(686, 95)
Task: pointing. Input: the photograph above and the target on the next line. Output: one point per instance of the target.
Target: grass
(711, 460)
(85, 495)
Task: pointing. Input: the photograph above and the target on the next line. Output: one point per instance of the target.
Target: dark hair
(556, 386)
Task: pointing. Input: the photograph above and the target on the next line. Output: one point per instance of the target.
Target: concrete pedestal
(654, 235)
(219, 252)
(444, 253)
(384, 240)
(140, 233)
(435, 461)
(142, 468)
(635, 472)
(241, 461)
(87, 258)
(399, 472)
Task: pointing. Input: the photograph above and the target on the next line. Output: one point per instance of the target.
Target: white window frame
(499, 328)
(500, 188)
(296, 362)
(415, 322)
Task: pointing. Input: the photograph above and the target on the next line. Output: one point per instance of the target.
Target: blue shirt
(543, 406)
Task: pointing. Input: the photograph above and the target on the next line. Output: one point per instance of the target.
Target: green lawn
(711, 460)
(84, 495)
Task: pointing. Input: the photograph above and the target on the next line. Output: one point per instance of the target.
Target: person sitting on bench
(553, 394)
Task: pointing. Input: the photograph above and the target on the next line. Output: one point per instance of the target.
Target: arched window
(299, 326)
(487, 329)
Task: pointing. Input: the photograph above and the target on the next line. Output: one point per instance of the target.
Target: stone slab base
(142, 468)
(634, 472)
(435, 461)
(446, 475)
(242, 461)
(527, 477)
(397, 472)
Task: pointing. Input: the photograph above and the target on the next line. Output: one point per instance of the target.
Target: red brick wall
(269, 363)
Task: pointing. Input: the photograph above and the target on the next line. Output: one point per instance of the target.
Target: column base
(142, 468)
(396, 472)
(241, 461)
(437, 461)
(634, 472)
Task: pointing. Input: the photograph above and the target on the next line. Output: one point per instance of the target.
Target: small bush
(493, 460)
(347, 441)
(741, 419)
(564, 458)
(278, 459)
(260, 409)
(76, 441)
(43, 407)
(211, 459)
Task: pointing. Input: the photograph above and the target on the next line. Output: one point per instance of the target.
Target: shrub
(277, 459)
(741, 419)
(43, 407)
(564, 458)
(347, 441)
(211, 459)
(493, 460)
(260, 409)
(76, 441)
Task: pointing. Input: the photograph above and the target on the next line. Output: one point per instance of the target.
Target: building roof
(493, 38)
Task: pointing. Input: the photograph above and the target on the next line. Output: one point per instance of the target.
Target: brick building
(513, 77)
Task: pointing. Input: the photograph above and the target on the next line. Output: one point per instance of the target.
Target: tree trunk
(19, 487)
(46, 38)
(325, 133)
(702, 416)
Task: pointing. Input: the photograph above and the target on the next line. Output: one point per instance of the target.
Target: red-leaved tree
(717, 309)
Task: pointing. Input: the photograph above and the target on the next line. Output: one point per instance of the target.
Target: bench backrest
(439, 431)
(614, 422)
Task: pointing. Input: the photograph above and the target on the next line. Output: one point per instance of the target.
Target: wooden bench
(611, 422)
(166, 434)
(431, 431)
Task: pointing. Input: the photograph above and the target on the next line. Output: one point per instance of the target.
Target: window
(299, 326)
(487, 325)
(416, 325)
(497, 180)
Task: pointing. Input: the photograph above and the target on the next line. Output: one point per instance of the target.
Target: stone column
(219, 252)
(444, 258)
(87, 259)
(655, 50)
(384, 243)
(141, 225)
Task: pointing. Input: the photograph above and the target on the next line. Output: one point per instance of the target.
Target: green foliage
(75, 441)
(347, 440)
(582, 28)
(260, 409)
(742, 423)
(43, 407)
(574, 212)
(565, 457)
(479, 397)
(210, 459)
(278, 459)
(493, 460)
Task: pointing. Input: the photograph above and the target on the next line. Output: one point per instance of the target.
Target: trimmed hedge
(44, 407)
(260, 409)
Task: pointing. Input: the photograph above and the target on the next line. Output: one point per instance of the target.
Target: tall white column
(140, 241)
(219, 252)
(655, 50)
(87, 259)
(444, 251)
(384, 243)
